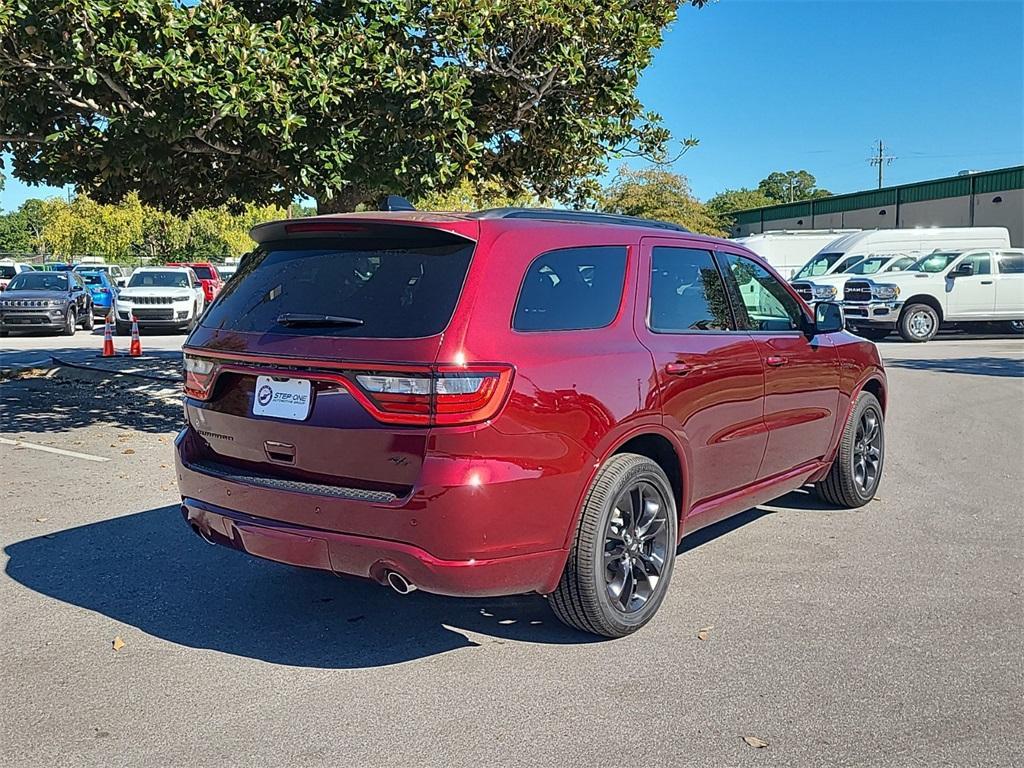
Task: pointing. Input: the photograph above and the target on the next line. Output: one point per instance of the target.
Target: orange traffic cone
(136, 348)
(108, 340)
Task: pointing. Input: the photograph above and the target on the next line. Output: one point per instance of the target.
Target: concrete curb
(109, 369)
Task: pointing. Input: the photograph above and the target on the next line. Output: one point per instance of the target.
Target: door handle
(775, 360)
(986, 282)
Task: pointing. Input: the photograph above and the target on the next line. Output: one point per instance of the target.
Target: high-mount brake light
(322, 226)
(198, 376)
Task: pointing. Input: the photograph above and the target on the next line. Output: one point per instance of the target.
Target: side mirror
(964, 269)
(828, 317)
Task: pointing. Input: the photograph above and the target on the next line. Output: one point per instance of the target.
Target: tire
(842, 486)
(918, 323)
(70, 323)
(89, 322)
(584, 596)
(1012, 326)
(872, 334)
(191, 324)
(123, 329)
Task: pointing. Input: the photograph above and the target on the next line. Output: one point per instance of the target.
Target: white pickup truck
(943, 288)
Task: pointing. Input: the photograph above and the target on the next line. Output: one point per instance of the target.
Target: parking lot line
(48, 449)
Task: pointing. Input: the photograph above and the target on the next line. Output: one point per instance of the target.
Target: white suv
(160, 297)
(945, 287)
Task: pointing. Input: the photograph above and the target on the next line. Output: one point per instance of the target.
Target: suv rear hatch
(317, 362)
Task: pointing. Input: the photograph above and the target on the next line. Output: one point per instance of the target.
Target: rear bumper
(371, 558)
(450, 534)
(873, 314)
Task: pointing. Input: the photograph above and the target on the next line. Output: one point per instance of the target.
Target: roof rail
(580, 217)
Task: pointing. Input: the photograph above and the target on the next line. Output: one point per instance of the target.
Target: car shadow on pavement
(975, 366)
(147, 570)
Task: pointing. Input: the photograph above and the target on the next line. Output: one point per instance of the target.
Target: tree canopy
(263, 101)
(656, 193)
(129, 230)
(791, 186)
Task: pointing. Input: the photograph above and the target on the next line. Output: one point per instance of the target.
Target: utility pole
(881, 160)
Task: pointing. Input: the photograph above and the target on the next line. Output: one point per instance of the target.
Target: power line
(881, 160)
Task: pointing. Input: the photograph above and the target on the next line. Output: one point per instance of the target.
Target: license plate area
(282, 398)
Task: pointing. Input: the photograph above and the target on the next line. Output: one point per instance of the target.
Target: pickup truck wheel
(857, 469)
(918, 323)
(621, 560)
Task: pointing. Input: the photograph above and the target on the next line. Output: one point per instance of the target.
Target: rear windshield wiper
(298, 320)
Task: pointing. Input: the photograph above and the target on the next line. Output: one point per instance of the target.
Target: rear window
(571, 289)
(397, 286)
(203, 273)
(7, 272)
(91, 279)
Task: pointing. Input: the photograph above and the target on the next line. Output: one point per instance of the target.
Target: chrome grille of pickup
(805, 291)
(857, 290)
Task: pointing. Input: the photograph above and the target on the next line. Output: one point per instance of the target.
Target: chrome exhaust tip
(399, 583)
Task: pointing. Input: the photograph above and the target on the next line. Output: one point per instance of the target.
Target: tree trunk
(344, 201)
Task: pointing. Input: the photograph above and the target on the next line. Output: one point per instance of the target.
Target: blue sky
(792, 84)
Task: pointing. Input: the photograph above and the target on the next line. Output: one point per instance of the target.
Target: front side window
(687, 292)
(762, 301)
(982, 263)
(847, 263)
(571, 289)
(1011, 263)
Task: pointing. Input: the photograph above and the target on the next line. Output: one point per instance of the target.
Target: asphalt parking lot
(890, 636)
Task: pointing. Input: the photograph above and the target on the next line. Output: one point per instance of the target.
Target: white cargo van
(789, 249)
(910, 242)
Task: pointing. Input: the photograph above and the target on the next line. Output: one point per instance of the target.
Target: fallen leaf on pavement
(118, 643)
(42, 519)
(703, 632)
(128, 450)
(755, 742)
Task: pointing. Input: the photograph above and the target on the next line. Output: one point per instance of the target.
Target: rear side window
(203, 273)
(393, 286)
(572, 289)
(1011, 263)
(687, 293)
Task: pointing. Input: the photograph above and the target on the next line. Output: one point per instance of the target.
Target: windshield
(159, 280)
(91, 278)
(39, 281)
(868, 266)
(396, 287)
(934, 262)
(819, 265)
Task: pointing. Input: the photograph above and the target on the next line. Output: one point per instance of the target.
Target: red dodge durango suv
(513, 401)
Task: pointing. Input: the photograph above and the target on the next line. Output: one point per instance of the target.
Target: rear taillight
(199, 376)
(442, 395)
(445, 396)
